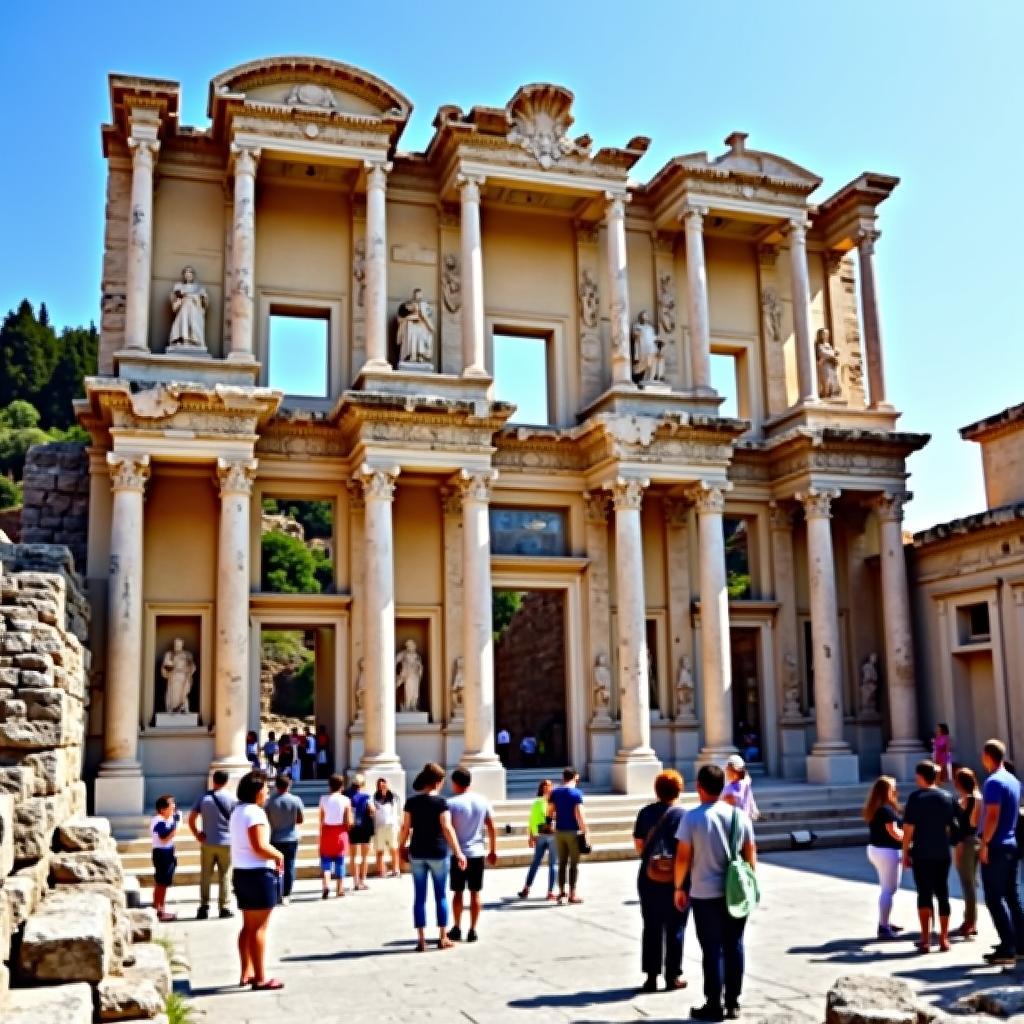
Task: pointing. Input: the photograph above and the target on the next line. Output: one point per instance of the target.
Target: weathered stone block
(18, 780)
(69, 938)
(121, 999)
(151, 965)
(1004, 1001)
(85, 834)
(6, 927)
(6, 835)
(23, 896)
(55, 1004)
(86, 867)
(867, 999)
(56, 770)
(132, 892)
(13, 708)
(33, 828)
(114, 891)
(143, 922)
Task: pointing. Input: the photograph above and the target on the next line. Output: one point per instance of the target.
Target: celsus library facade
(510, 440)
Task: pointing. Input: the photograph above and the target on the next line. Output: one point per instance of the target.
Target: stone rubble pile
(71, 949)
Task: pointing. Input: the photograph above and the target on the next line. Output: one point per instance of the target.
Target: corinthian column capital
(378, 481)
(780, 516)
(866, 239)
(796, 229)
(144, 151)
(693, 215)
(888, 505)
(128, 472)
(595, 507)
(469, 186)
(236, 476)
(708, 498)
(817, 504)
(476, 485)
(627, 494)
(245, 158)
(377, 172)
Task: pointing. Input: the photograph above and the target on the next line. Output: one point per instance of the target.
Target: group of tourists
(972, 827)
(299, 755)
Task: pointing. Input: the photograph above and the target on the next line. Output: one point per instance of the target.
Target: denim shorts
(256, 888)
(164, 864)
(336, 866)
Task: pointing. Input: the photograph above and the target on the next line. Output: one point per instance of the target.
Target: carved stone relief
(451, 282)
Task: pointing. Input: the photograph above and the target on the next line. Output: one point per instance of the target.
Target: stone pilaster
(872, 318)
(845, 341)
(635, 764)
(358, 285)
(451, 503)
(697, 297)
(685, 728)
(474, 363)
(243, 291)
(667, 312)
(450, 247)
(228, 275)
(618, 287)
(830, 760)
(376, 255)
(592, 368)
(807, 376)
(120, 789)
(773, 334)
(231, 644)
(139, 268)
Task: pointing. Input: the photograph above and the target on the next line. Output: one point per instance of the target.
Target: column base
(240, 357)
(236, 767)
(376, 366)
(634, 771)
(120, 790)
(476, 371)
(900, 759)
(488, 774)
(717, 753)
(832, 768)
(383, 766)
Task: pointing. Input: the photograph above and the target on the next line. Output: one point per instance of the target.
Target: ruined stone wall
(56, 503)
(66, 930)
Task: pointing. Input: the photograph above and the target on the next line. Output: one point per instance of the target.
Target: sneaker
(285, 900)
(455, 934)
(326, 894)
(707, 1012)
(471, 935)
(523, 893)
(998, 958)
(202, 913)
(651, 984)
(886, 932)
(732, 1012)
(225, 913)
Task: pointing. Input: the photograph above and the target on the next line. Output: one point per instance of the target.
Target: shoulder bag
(742, 893)
(661, 865)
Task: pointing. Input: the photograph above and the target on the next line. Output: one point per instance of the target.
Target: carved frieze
(589, 299)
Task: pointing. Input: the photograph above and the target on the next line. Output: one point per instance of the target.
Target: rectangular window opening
(298, 352)
(737, 557)
(725, 380)
(529, 531)
(521, 376)
(296, 546)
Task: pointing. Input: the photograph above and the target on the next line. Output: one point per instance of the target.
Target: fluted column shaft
(801, 291)
(618, 288)
(697, 297)
(243, 249)
(474, 363)
(872, 319)
(139, 268)
(376, 267)
(231, 640)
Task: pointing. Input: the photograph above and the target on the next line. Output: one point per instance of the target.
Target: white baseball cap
(735, 762)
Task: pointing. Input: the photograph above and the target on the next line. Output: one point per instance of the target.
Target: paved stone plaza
(353, 959)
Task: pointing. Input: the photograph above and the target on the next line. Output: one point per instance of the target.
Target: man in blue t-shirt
(998, 854)
(566, 807)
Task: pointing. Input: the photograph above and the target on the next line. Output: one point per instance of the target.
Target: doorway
(747, 704)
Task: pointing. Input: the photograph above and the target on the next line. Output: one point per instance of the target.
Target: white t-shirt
(335, 807)
(243, 856)
(385, 814)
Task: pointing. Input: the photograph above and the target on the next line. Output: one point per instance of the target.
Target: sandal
(244, 982)
(575, 899)
(675, 983)
(421, 946)
(269, 985)
(445, 943)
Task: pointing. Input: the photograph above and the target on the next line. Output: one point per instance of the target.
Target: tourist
(542, 839)
(271, 751)
(256, 878)
(163, 827)
(503, 743)
(885, 848)
(252, 749)
(285, 755)
(427, 820)
(566, 807)
(335, 822)
(323, 752)
(703, 853)
(528, 750)
(654, 836)
(471, 815)
(361, 833)
(739, 790)
(298, 748)
(965, 854)
(308, 755)
(999, 855)
(210, 822)
(285, 812)
(386, 810)
(942, 751)
(927, 821)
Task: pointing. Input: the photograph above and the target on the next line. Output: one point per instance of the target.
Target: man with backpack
(716, 849)
(210, 822)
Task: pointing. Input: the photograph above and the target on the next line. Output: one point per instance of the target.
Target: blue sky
(930, 91)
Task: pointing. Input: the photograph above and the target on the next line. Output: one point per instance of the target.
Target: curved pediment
(313, 83)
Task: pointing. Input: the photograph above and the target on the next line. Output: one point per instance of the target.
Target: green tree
(10, 493)
(19, 431)
(504, 605)
(77, 355)
(28, 353)
(287, 566)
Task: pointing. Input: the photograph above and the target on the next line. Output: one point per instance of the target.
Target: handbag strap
(734, 829)
(655, 828)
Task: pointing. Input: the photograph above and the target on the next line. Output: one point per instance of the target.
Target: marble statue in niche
(869, 685)
(686, 703)
(415, 333)
(188, 303)
(458, 686)
(827, 359)
(589, 299)
(790, 687)
(451, 283)
(410, 674)
(648, 351)
(178, 669)
(602, 688)
(666, 304)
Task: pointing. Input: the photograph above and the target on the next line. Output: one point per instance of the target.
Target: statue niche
(189, 302)
(415, 334)
(177, 669)
(408, 677)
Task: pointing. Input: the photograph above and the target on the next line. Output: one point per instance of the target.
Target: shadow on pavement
(611, 995)
(854, 951)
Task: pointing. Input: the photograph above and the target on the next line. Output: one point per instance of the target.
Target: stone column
(379, 754)
(905, 748)
(830, 760)
(685, 731)
(478, 755)
(376, 267)
(801, 290)
(618, 287)
(635, 764)
(243, 246)
(872, 321)
(138, 271)
(231, 642)
(474, 363)
(716, 661)
(120, 788)
(697, 297)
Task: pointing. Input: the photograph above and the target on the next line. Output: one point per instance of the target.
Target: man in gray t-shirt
(285, 814)
(209, 821)
(702, 857)
(471, 817)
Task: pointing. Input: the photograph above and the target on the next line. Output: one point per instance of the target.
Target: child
(942, 752)
(270, 751)
(163, 827)
(252, 750)
(335, 821)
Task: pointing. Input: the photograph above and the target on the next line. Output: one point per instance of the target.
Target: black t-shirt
(428, 841)
(963, 815)
(885, 815)
(931, 811)
(663, 841)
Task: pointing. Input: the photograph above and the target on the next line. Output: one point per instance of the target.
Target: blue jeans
(438, 873)
(544, 844)
(289, 849)
(721, 942)
(999, 880)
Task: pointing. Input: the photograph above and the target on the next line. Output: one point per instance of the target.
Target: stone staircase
(831, 812)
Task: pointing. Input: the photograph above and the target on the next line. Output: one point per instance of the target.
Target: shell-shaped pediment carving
(540, 116)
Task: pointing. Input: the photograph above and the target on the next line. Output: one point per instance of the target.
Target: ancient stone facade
(56, 498)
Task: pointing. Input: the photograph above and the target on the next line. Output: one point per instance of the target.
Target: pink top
(942, 749)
